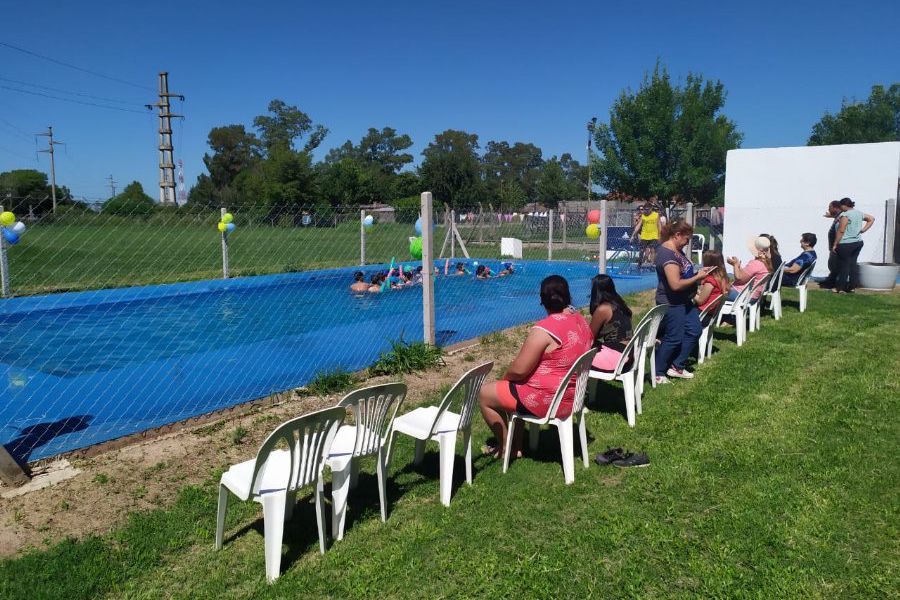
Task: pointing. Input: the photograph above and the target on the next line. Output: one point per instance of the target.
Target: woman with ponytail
(677, 287)
(551, 348)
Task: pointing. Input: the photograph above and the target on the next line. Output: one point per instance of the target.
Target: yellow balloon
(7, 218)
(592, 231)
(222, 226)
(227, 218)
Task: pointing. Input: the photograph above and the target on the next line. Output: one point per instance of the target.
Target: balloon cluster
(415, 244)
(592, 231)
(12, 229)
(226, 225)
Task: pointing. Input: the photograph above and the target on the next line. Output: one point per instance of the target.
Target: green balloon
(415, 248)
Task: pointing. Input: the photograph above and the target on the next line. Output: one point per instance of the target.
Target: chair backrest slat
(712, 310)
(373, 409)
(307, 438)
(466, 388)
(774, 283)
(579, 371)
(805, 275)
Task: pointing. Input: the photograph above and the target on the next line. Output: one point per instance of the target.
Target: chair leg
(289, 503)
(340, 488)
(653, 365)
(382, 483)
(567, 450)
(701, 345)
(803, 299)
(740, 323)
(641, 369)
(507, 446)
(628, 389)
(709, 342)
(354, 472)
(582, 433)
(467, 444)
(320, 514)
(220, 515)
(420, 452)
(776, 303)
(447, 443)
(534, 434)
(273, 526)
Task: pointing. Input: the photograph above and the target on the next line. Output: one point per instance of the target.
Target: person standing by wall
(833, 212)
(848, 244)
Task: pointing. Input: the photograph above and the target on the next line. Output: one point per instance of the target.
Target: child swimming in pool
(359, 285)
(507, 270)
(483, 272)
(377, 280)
(460, 269)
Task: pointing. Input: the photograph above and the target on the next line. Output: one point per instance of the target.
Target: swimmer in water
(375, 286)
(460, 269)
(507, 270)
(482, 272)
(360, 284)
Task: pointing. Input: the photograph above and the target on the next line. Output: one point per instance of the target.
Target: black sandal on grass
(611, 454)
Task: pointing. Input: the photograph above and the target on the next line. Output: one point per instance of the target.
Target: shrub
(132, 202)
(331, 382)
(406, 358)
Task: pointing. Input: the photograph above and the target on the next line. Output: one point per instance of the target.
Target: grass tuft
(330, 382)
(406, 357)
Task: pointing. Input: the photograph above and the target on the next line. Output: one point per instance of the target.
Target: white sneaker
(679, 373)
(661, 379)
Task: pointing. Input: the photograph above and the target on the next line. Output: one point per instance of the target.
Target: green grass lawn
(773, 475)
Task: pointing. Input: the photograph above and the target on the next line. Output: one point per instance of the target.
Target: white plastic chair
(440, 424)
(374, 409)
(801, 284)
(629, 360)
(755, 302)
(648, 347)
(275, 475)
(578, 372)
(738, 308)
(708, 319)
(698, 239)
(773, 292)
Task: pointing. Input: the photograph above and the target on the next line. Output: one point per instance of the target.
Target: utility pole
(166, 150)
(112, 186)
(49, 150)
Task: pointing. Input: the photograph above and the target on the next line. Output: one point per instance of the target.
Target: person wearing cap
(759, 267)
(647, 230)
(848, 244)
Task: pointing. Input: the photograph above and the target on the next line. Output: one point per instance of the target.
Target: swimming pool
(86, 367)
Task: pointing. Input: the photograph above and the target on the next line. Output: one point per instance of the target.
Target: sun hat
(758, 244)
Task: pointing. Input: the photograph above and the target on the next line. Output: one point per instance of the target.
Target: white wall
(784, 192)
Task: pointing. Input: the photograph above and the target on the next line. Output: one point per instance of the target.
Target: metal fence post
(689, 214)
(562, 221)
(362, 237)
(550, 235)
(4, 266)
(452, 237)
(603, 236)
(427, 270)
(224, 249)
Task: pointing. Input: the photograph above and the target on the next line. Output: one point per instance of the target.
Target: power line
(53, 89)
(20, 132)
(33, 93)
(77, 68)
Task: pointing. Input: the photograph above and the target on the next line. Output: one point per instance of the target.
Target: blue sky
(517, 71)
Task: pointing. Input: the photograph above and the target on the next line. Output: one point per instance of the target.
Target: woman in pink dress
(552, 347)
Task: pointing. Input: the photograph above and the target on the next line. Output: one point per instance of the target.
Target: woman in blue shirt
(677, 286)
(848, 244)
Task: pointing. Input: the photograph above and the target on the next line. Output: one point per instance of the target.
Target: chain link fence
(113, 324)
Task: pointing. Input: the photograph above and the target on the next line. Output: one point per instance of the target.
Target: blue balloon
(11, 236)
(229, 227)
(419, 226)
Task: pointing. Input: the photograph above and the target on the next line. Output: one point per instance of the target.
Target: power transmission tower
(112, 186)
(166, 150)
(49, 150)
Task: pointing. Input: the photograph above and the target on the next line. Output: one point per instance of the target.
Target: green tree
(506, 164)
(234, 150)
(22, 190)
(875, 120)
(132, 202)
(286, 124)
(451, 169)
(283, 182)
(204, 193)
(666, 140)
(381, 149)
(552, 186)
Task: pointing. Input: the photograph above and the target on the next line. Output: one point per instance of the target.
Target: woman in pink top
(552, 347)
(753, 271)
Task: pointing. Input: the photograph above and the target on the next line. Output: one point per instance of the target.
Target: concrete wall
(784, 192)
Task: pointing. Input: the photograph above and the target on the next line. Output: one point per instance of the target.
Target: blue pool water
(82, 368)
